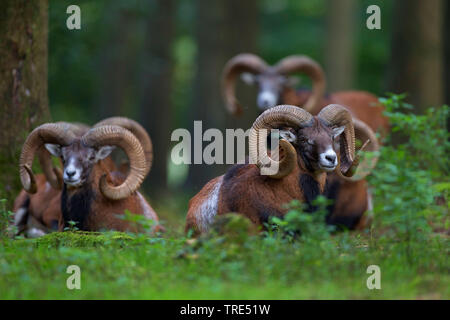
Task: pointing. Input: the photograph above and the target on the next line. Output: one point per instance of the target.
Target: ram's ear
(337, 131)
(54, 149)
(103, 152)
(248, 78)
(288, 135)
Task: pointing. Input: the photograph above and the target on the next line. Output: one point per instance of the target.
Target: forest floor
(234, 264)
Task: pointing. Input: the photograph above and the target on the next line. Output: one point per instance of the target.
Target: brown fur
(350, 205)
(247, 197)
(352, 196)
(244, 190)
(43, 207)
(363, 105)
(103, 211)
(192, 221)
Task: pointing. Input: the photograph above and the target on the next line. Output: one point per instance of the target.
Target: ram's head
(79, 154)
(270, 80)
(321, 143)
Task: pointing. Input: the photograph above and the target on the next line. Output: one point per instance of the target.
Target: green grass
(409, 241)
(121, 266)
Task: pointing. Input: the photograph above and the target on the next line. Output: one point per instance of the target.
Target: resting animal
(351, 199)
(93, 193)
(276, 87)
(313, 148)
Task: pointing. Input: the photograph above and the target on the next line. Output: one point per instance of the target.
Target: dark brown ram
(351, 198)
(314, 149)
(100, 191)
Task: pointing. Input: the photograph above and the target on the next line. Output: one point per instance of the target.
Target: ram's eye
(310, 141)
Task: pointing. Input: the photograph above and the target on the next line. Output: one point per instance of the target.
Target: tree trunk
(416, 65)
(116, 69)
(340, 49)
(447, 53)
(447, 57)
(156, 108)
(23, 83)
(223, 29)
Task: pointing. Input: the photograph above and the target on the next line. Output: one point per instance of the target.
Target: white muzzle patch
(266, 100)
(328, 160)
(72, 174)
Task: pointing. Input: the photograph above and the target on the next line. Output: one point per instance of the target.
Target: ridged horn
(140, 133)
(55, 133)
(244, 62)
(52, 174)
(282, 115)
(370, 143)
(309, 67)
(124, 139)
(335, 115)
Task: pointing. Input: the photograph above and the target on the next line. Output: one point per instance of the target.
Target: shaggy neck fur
(311, 182)
(76, 203)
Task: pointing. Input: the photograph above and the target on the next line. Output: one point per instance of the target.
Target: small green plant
(411, 176)
(72, 226)
(311, 226)
(6, 216)
(408, 240)
(139, 221)
(426, 136)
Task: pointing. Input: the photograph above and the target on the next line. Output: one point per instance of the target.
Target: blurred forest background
(160, 62)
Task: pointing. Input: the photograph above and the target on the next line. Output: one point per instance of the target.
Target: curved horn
(335, 115)
(241, 63)
(306, 65)
(54, 175)
(46, 133)
(282, 115)
(124, 139)
(78, 128)
(140, 133)
(364, 134)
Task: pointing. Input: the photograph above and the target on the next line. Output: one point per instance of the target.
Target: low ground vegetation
(409, 241)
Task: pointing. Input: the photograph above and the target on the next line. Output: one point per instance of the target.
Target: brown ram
(314, 149)
(93, 193)
(40, 212)
(275, 87)
(351, 198)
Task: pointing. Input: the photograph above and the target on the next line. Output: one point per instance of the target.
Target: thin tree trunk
(116, 69)
(223, 29)
(243, 27)
(156, 109)
(447, 53)
(340, 49)
(447, 57)
(23, 82)
(416, 65)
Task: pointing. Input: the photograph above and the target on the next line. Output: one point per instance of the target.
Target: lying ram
(351, 198)
(275, 87)
(93, 192)
(39, 211)
(313, 149)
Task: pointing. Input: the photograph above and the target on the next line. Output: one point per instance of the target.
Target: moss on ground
(80, 239)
